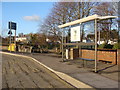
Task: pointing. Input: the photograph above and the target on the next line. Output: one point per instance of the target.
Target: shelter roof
(86, 19)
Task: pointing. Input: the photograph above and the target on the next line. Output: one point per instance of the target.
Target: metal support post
(80, 41)
(62, 47)
(95, 45)
(99, 37)
(10, 36)
(15, 40)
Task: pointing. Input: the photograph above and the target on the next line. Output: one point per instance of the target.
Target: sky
(27, 15)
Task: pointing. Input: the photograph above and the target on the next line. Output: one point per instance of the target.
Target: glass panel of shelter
(87, 35)
(66, 39)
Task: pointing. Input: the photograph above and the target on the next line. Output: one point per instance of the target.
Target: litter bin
(11, 47)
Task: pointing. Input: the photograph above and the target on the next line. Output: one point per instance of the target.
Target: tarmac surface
(106, 78)
(19, 72)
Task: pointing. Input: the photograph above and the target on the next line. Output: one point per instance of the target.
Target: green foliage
(50, 46)
(116, 46)
(108, 46)
(53, 45)
(101, 46)
(105, 46)
(88, 47)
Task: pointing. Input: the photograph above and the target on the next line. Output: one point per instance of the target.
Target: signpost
(10, 32)
(12, 26)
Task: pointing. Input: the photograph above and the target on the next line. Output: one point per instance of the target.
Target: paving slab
(20, 72)
(81, 74)
(93, 79)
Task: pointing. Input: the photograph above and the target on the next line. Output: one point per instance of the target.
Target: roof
(86, 19)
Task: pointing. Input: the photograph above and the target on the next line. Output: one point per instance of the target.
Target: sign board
(12, 25)
(10, 32)
(75, 34)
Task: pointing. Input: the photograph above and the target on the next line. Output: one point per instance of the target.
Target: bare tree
(105, 9)
(64, 12)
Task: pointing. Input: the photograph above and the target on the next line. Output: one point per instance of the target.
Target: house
(21, 39)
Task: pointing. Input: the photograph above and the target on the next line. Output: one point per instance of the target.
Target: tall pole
(62, 47)
(99, 37)
(95, 45)
(80, 40)
(15, 40)
(10, 36)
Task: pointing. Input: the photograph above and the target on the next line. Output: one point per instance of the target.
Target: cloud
(32, 18)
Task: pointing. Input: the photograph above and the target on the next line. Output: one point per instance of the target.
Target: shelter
(94, 18)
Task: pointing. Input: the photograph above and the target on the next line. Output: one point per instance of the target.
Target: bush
(108, 46)
(105, 46)
(116, 46)
(101, 46)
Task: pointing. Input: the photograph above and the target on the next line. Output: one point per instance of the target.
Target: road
(19, 72)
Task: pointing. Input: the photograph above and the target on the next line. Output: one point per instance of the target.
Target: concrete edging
(76, 83)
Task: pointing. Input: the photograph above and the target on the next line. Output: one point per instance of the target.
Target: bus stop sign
(12, 25)
(10, 32)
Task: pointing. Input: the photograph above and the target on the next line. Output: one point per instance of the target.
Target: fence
(22, 48)
(3, 48)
